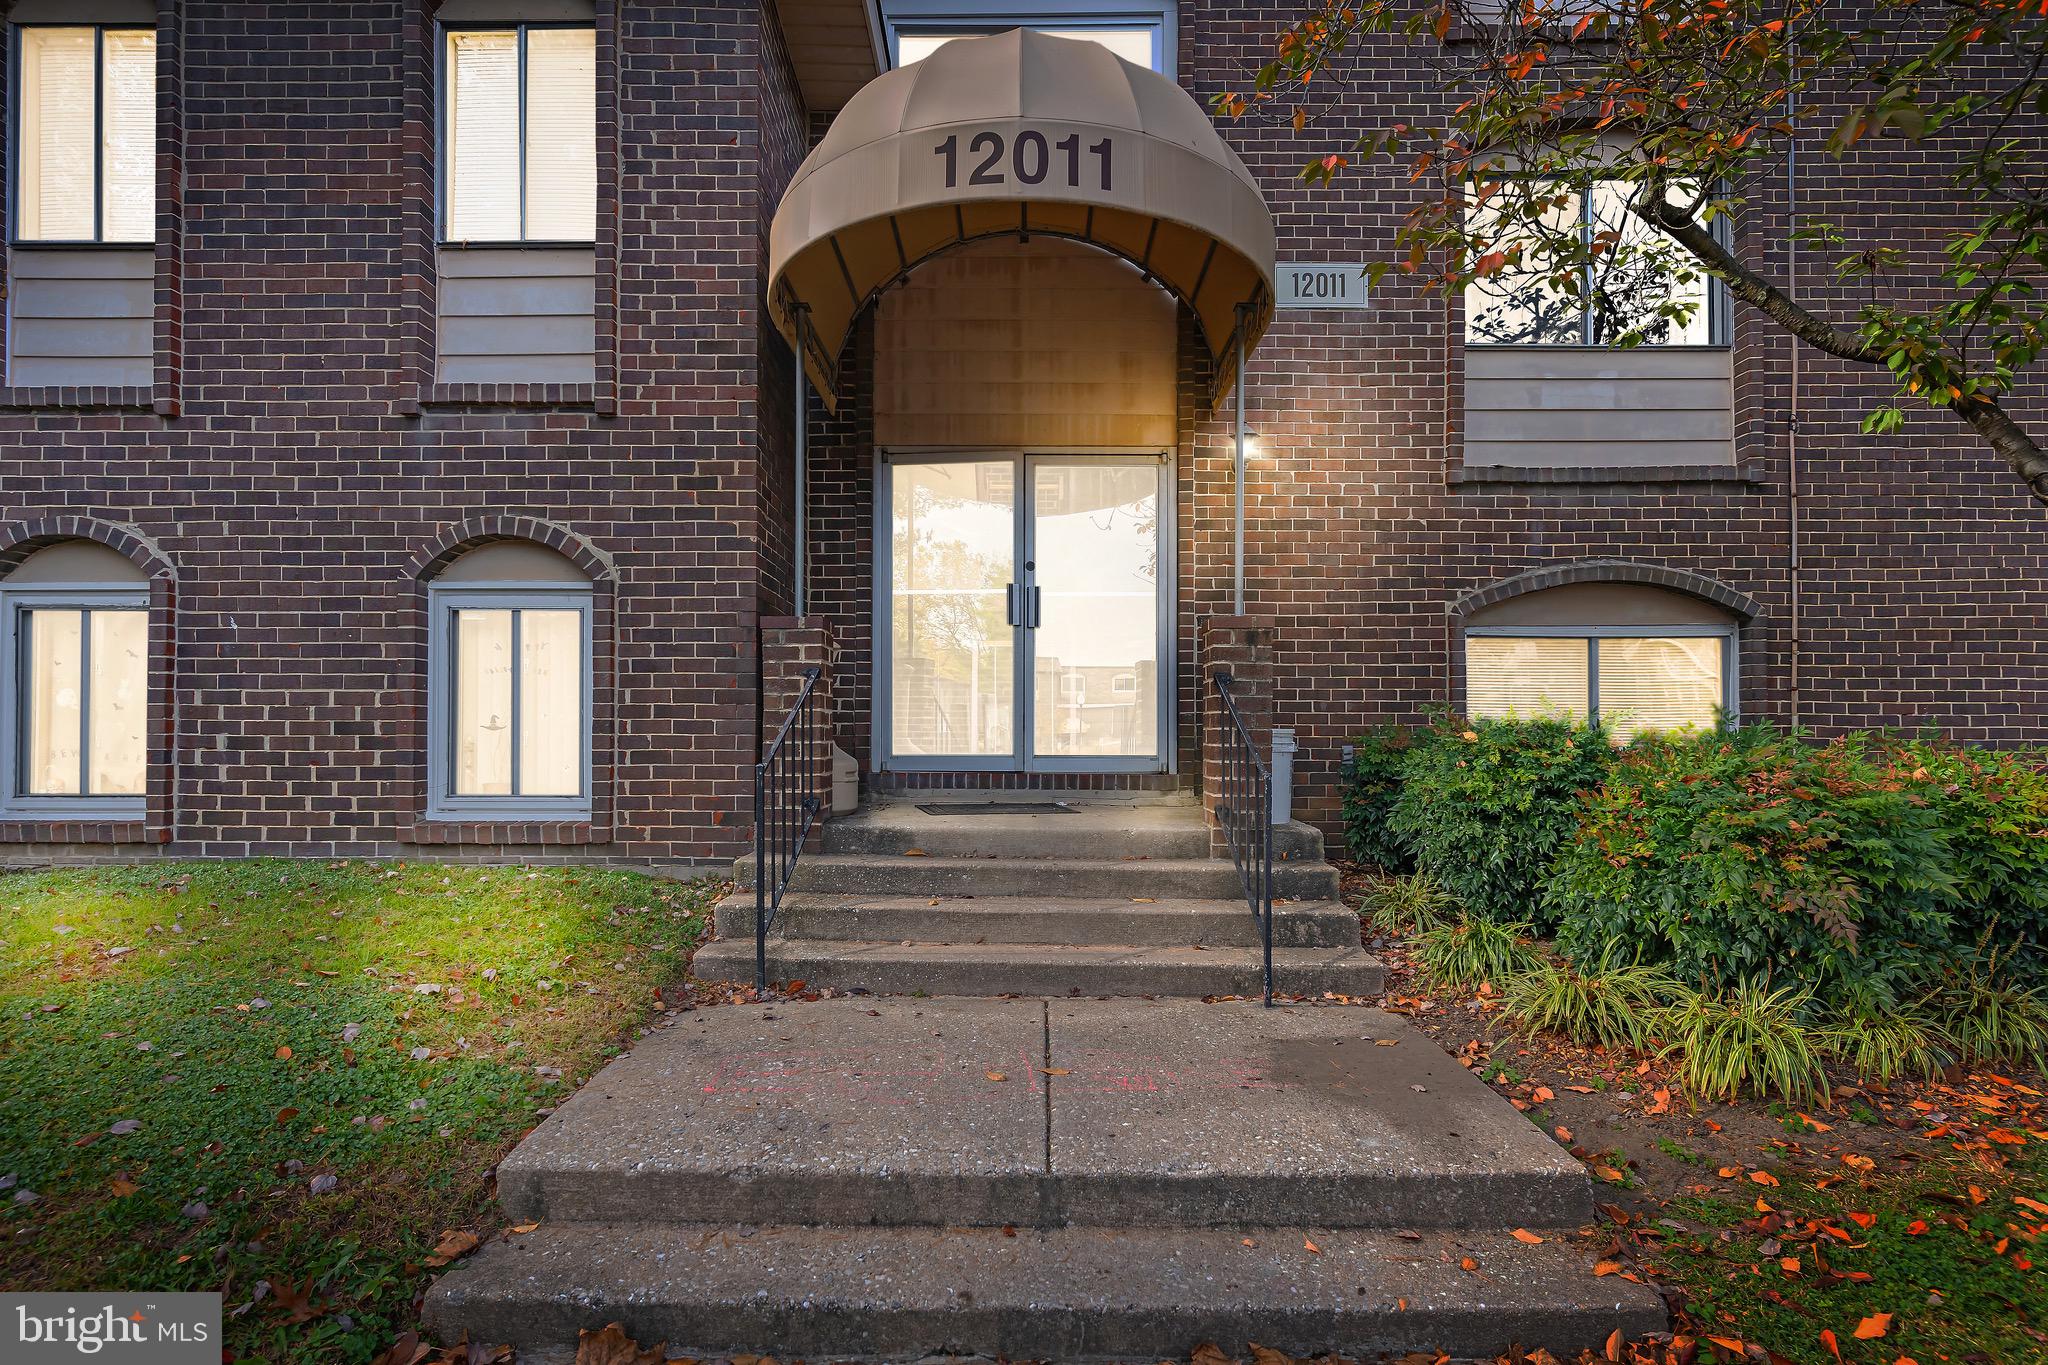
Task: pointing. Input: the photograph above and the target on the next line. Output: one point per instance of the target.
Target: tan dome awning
(1020, 132)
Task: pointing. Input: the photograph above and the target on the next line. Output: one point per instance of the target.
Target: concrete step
(1057, 1294)
(1039, 919)
(955, 1113)
(1053, 969)
(1105, 829)
(865, 874)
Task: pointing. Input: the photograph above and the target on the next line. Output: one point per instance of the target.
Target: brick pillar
(1241, 646)
(789, 645)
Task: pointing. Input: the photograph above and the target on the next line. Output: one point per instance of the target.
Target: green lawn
(189, 1051)
(1948, 1253)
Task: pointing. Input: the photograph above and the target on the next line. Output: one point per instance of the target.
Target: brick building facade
(300, 466)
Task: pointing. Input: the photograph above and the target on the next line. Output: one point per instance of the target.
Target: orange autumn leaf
(1524, 1235)
(1864, 1220)
(1311, 1247)
(1915, 1228)
(2033, 1204)
(1733, 1345)
(1606, 1268)
(1827, 1339)
(1874, 1326)
(1763, 1177)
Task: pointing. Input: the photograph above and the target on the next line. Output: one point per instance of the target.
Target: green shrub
(1371, 789)
(1737, 858)
(1476, 951)
(1485, 804)
(1610, 1003)
(1993, 809)
(1746, 1040)
(1408, 905)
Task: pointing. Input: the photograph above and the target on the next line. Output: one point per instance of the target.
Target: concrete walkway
(1040, 1180)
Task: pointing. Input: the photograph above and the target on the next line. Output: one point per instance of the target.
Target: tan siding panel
(1553, 407)
(81, 318)
(1038, 344)
(518, 317)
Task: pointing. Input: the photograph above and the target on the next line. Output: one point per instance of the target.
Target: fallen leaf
(453, 1243)
(1613, 1349)
(283, 1054)
(1208, 1354)
(1056, 1071)
(997, 1076)
(1874, 1326)
(522, 1229)
(407, 1350)
(1266, 1355)
(613, 1347)
(1915, 1228)
(1733, 1345)
(2033, 1204)
(1311, 1247)
(1524, 1235)
(1863, 1220)
(1468, 1264)
(1606, 1268)
(1827, 1339)
(1763, 1178)
(1543, 1094)
(297, 1302)
(122, 1187)
(1660, 1102)
(1858, 1163)
(286, 1115)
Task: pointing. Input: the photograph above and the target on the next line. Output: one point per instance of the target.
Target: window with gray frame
(1636, 679)
(1139, 31)
(518, 114)
(509, 706)
(1602, 303)
(74, 701)
(84, 125)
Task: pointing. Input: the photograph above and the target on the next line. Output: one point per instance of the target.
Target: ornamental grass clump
(1475, 952)
(1484, 805)
(1994, 1018)
(1737, 857)
(1908, 1041)
(1408, 905)
(1609, 1004)
(1746, 1040)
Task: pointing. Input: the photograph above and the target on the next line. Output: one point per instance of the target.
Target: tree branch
(1747, 285)
(2009, 439)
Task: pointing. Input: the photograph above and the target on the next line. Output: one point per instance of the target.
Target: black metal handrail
(786, 805)
(1244, 808)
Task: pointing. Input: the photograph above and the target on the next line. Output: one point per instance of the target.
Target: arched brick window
(1639, 647)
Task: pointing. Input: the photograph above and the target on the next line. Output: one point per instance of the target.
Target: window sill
(509, 396)
(1735, 476)
(28, 829)
(540, 831)
(81, 397)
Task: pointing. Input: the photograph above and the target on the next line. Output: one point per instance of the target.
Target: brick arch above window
(20, 539)
(453, 542)
(1617, 571)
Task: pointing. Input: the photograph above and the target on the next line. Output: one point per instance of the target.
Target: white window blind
(521, 136)
(69, 123)
(1635, 684)
(1527, 677)
(84, 721)
(1662, 684)
(561, 134)
(518, 715)
(1135, 44)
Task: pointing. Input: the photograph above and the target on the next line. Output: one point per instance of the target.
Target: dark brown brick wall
(305, 474)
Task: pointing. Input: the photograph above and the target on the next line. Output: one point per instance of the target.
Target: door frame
(1022, 760)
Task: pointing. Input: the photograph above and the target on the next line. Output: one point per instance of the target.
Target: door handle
(1010, 605)
(1037, 611)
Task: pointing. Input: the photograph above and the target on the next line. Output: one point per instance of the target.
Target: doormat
(999, 808)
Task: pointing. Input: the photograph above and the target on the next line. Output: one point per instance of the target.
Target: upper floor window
(519, 133)
(1140, 32)
(509, 708)
(1619, 293)
(85, 134)
(74, 685)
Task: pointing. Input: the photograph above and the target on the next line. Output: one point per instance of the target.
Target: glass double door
(1026, 622)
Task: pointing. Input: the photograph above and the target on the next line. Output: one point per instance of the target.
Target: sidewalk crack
(1045, 1017)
